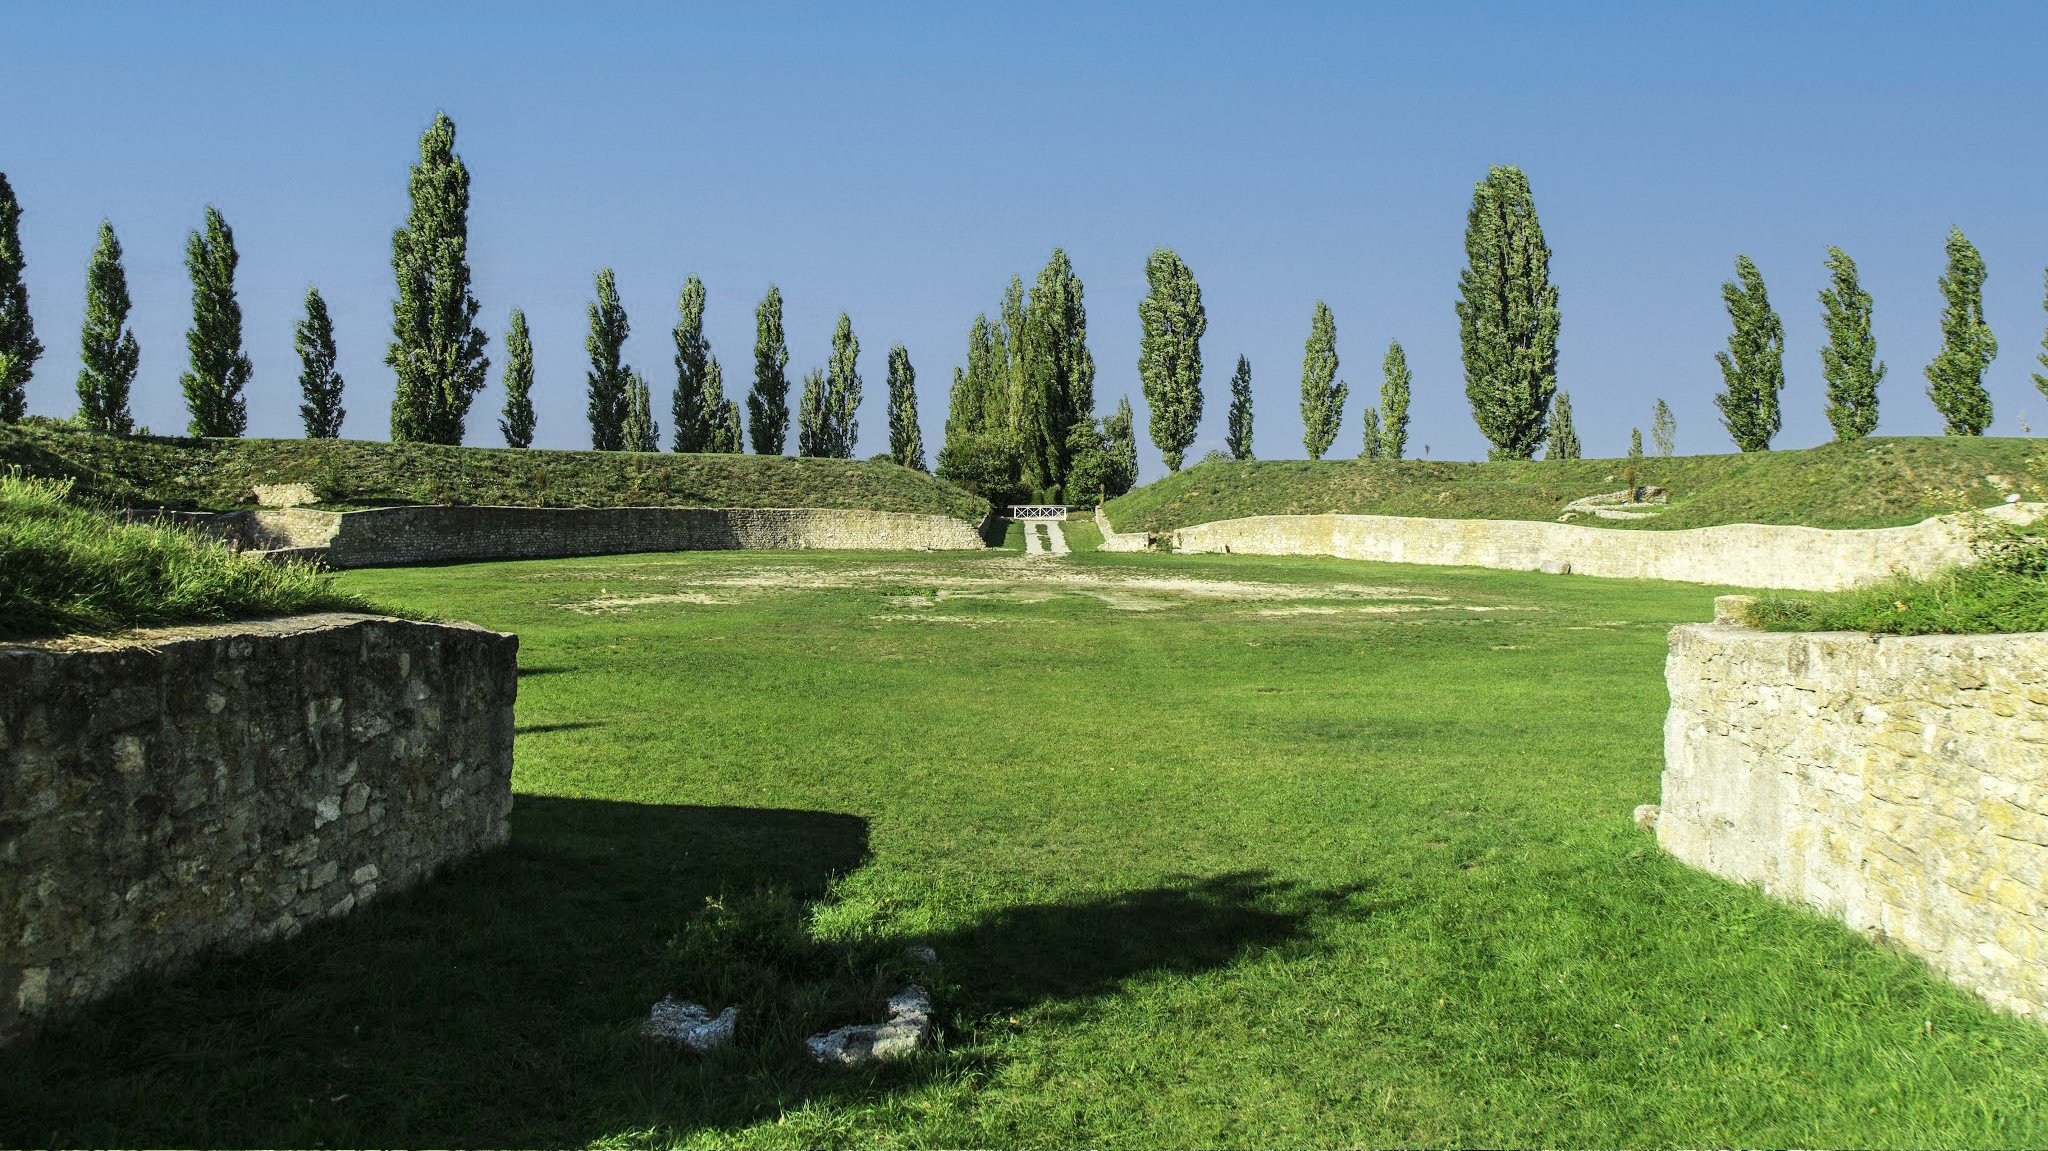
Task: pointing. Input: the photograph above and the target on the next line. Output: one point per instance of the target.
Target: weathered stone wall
(426, 534)
(207, 788)
(1116, 541)
(1900, 784)
(1741, 555)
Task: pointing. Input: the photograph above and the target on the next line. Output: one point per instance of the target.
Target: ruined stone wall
(207, 788)
(1740, 555)
(1900, 784)
(1116, 541)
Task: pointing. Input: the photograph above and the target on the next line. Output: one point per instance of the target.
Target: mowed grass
(1231, 851)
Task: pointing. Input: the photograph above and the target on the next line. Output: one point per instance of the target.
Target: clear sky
(902, 162)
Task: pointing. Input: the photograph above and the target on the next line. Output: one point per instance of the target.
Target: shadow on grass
(498, 1005)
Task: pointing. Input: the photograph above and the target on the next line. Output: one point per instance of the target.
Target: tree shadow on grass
(498, 1004)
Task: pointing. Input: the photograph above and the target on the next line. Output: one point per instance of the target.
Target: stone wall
(202, 789)
(427, 534)
(1116, 541)
(1900, 784)
(1741, 555)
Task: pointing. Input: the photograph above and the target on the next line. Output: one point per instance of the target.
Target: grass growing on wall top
(218, 474)
(65, 567)
(1874, 483)
(2005, 591)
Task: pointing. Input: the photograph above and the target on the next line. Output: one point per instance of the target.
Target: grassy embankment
(65, 567)
(218, 474)
(1214, 852)
(1877, 483)
(2005, 591)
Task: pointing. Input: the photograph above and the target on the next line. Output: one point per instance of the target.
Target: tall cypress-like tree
(1172, 322)
(437, 349)
(1849, 362)
(1507, 316)
(609, 399)
(1664, 429)
(813, 418)
(768, 399)
(980, 451)
(1564, 437)
(1322, 393)
(320, 410)
(1120, 435)
(639, 431)
(1955, 380)
(2041, 381)
(1238, 436)
(1373, 440)
(906, 441)
(1394, 388)
(842, 391)
(219, 370)
(517, 422)
(1057, 377)
(19, 348)
(693, 408)
(727, 437)
(107, 351)
(1632, 467)
(1753, 367)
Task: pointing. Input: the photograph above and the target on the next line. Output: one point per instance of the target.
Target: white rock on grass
(689, 1025)
(908, 1028)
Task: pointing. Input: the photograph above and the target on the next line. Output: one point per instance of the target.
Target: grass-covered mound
(2005, 591)
(1876, 483)
(217, 474)
(65, 567)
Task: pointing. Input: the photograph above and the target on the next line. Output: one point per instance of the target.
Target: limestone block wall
(203, 789)
(1900, 784)
(1116, 541)
(1742, 555)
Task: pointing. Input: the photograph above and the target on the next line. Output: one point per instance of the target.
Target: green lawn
(1226, 851)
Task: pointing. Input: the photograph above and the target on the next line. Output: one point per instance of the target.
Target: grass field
(1230, 851)
(1876, 483)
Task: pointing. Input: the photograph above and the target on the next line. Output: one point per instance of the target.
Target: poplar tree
(1507, 316)
(638, 429)
(980, 451)
(693, 406)
(813, 435)
(609, 398)
(1120, 450)
(1239, 436)
(437, 349)
(517, 422)
(320, 410)
(906, 442)
(1956, 377)
(19, 348)
(219, 368)
(1172, 322)
(1849, 362)
(2041, 381)
(107, 351)
(1753, 367)
(1564, 438)
(727, 438)
(1632, 468)
(1373, 445)
(768, 399)
(842, 391)
(1053, 373)
(1664, 429)
(1322, 393)
(1394, 402)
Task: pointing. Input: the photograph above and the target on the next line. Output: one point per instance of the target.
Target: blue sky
(901, 163)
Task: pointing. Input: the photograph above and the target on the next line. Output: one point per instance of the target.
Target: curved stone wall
(1739, 555)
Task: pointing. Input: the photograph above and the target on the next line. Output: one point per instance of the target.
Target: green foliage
(1374, 445)
(768, 399)
(1171, 321)
(906, 441)
(838, 403)
(320, 384)
(606, 383)
(2005, 591)
(437, 349)
(638, 430)
(1753, 367)
(213, 384)
(1053, 372)
(1849, 362)
(981, 452)
(1322, 393)
(1507, 315)
(66, 567)
(814, 436)
(2040, 381)
(1238, 437)
(107, 352)
(517, 422)
(1088, 477)
(1664, 429)
(1394, 394)
(727, 437)
(1564, 438)
(1955, 380)
(1632, 468)
(19, 348)
(1120, 450)
(694, 407)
